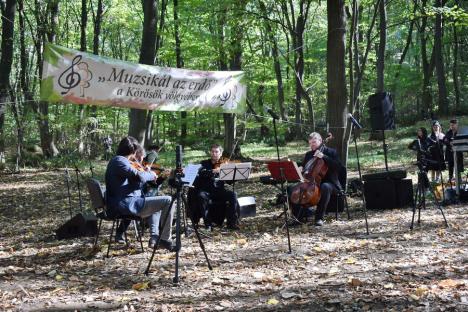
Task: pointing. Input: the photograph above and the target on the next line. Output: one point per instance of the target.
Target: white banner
(81, 78)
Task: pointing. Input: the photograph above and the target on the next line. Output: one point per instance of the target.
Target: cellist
(330, 184)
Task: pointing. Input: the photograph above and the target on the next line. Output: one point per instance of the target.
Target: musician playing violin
(330, 184)
(208, 191)
(151, 156)
(124, 181)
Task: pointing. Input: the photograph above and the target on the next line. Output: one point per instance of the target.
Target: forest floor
(336, 267)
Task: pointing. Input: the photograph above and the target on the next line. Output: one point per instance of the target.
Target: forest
(311, 61)
(307, 65)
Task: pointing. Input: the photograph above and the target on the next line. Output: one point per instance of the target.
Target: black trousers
(214, 206)
(451, 163)
(327, 189)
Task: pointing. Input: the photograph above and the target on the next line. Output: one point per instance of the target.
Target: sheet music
(285, 170)
(235, 171)
(190, 173)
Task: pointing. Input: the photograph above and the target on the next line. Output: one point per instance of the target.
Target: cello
(307, 193)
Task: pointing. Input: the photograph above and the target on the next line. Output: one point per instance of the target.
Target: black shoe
(319, 222)
(152, 241)
(119, 238)
(163, 244)
(233, 227)
(209, 227)
(168, 245)
(294, 223)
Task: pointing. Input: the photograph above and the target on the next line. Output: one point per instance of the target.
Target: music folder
(190, 174)
(284, 170)
(235, 171)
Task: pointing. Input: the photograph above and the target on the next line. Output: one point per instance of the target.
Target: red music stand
(284, 171)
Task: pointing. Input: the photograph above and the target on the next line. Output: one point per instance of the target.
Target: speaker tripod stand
(420, 196)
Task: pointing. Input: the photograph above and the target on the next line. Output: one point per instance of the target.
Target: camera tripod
(420, 196)
(179, 200)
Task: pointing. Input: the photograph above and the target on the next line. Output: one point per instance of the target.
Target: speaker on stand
(382, 116)
(382, 111)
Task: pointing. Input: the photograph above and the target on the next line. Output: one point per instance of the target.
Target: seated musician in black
(209, 197)
(330, 184)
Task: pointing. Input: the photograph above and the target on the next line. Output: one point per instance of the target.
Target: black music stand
(233, 172)
(285, 171)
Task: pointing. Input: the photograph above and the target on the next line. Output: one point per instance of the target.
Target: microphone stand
(385, 149)
(67, 181)
(360, 176)
(78, 173)
(285, 203)
(441, 150)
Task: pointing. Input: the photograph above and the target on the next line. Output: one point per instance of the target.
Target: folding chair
(98, 202)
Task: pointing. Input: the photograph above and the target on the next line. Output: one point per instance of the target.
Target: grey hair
(315, 135)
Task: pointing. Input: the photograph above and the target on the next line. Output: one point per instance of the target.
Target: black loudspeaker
(380, 194)
(404, 192)
(381, 111)
(78, 226)
(391, 174)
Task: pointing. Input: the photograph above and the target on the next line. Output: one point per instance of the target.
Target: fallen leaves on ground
(336, 267)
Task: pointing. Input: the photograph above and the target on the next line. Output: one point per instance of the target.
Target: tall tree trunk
(439, 61)
(408, 42)
(382, 46)
(427, 65)
(159, 41)
(23, 83)
(336, 75)
(456, 83)
(362, 65)
(47, 29)
(234, 64)
(276, 62)
(352, 67)
(137, 126)
(180, 64)
(296, 27)
(83, 48)
(6, 60)
(93, 126)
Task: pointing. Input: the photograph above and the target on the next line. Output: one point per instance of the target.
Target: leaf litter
(334, 267)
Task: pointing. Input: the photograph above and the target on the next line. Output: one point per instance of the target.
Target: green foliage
(207, 32)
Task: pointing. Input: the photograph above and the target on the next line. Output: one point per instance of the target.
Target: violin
(307, 193)
(222, 160)
(137, 165)
(156, 168)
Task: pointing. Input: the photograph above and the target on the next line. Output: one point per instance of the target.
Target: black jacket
(335, 168)
(420, 145)
(206, 178)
